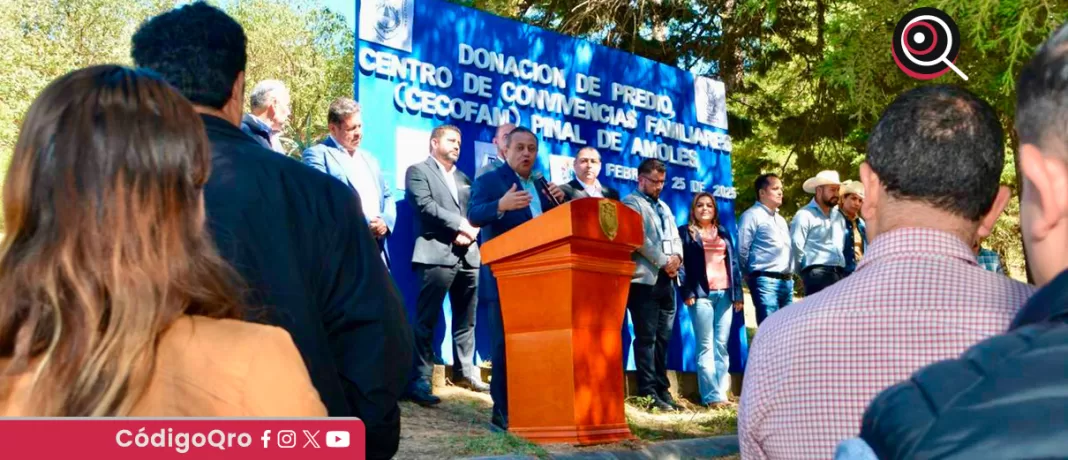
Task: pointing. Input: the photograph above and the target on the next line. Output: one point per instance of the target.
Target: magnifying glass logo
(926, 42)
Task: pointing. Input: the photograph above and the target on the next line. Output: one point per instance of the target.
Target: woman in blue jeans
(712, 285)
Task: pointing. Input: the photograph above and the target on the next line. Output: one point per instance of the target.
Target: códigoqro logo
(926, 44)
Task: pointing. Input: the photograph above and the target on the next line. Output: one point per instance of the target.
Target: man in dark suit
(585, 184)
(446, 259)
(295, 235)
(501, 200)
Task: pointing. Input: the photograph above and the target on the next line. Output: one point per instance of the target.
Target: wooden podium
(563, 280)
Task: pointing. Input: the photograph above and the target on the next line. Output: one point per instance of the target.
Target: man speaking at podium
(501, 200)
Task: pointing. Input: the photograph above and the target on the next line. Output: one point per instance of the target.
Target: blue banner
(423, 63)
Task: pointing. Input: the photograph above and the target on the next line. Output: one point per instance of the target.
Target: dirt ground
(459, 428)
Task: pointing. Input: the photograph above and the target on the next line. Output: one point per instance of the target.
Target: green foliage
(42, 40)
(299, 42)
(306, 46)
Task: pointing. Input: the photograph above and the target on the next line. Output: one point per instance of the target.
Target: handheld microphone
(544, 186)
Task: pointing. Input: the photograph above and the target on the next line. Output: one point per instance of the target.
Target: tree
(301, 43)
(306, 46)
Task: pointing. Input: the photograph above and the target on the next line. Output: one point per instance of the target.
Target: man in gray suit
(651, 302)
(446, 259)
(585, 184)
(499, 141)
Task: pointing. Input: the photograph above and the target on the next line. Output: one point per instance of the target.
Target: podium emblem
(608, 217)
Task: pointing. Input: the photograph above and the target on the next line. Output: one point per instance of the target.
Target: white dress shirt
(359, 172)
(594, 189)
(450, 179)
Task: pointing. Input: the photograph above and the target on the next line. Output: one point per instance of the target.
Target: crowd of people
(926, 350)
(162, 259)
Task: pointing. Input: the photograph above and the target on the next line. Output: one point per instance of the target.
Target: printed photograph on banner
(413, 146)
(388, 22)
(483, 152)
(710, 100)
(561, 169)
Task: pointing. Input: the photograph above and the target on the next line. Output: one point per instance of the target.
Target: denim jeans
(711, 318)
(854, 449)
(770, 294)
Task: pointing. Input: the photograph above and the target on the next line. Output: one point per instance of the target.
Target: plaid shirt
(917, 297)
(990, 261)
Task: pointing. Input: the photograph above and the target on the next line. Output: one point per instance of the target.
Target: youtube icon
(337, 439)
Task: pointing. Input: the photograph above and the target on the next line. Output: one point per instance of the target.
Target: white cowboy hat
(823, 178)
(855, 187)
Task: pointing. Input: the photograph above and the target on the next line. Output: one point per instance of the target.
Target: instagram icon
(287, 439)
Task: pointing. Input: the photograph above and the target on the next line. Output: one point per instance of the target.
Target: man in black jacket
(1005, 397)
(295, 234)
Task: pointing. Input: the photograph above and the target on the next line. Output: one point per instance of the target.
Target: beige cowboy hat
(823, 178)
(855, 187)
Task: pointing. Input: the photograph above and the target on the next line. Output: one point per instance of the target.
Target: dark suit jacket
(482, 212)
(256, 130)
(694, 273)
(1002, 398)
(438, 215)
(574, 190)
(298, 238)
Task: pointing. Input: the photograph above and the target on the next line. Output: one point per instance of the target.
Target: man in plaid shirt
(931, 183)
(989, 260)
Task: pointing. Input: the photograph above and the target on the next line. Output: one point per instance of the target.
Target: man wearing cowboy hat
(817, 232)
(856, 235)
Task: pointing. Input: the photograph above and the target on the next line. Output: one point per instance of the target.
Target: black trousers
(816, 278)
(499, 370)
(652, 310)
(460, 282)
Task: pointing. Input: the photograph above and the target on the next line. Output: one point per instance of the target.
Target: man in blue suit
(501, 200)
(340, 156)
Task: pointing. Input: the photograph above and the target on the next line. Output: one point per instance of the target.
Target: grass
(657, 426)
(492, 443)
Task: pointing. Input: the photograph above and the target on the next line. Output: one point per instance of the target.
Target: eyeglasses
(655, 182)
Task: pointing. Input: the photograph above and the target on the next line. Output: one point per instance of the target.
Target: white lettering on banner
(610, 140)
(526, 96)
(495, 86)
(508, 65)
(697, 186)
(681, 156)
(621, 172)
(552, 128)
(678, 183)
(588, 85)
(643, 99)
(439, 105)
(725, 192)
(390, 66)
(683, 133)
(477, 84)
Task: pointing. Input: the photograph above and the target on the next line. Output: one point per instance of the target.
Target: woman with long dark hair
(113, 300)
(712, 285)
